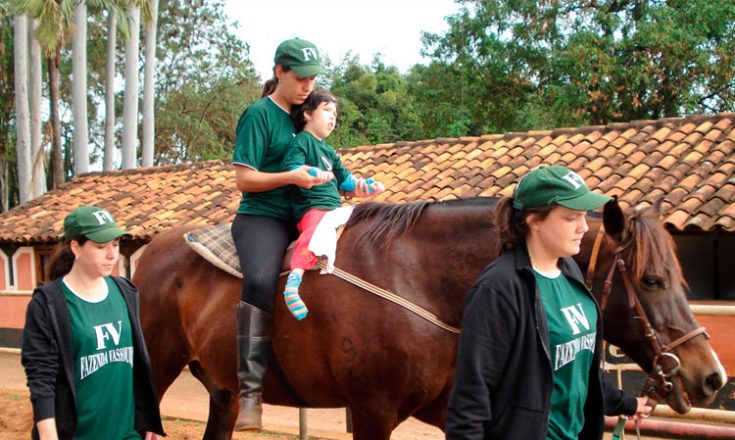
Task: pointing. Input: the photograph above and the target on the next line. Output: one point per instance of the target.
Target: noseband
(666, 364)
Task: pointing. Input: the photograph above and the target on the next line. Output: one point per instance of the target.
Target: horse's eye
(653, 281)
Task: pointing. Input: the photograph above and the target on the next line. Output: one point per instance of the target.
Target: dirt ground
(16, 422)
(185, 408)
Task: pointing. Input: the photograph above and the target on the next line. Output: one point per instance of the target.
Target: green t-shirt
(263, 134)
(572, 320)
(305, 149)
(102, 341)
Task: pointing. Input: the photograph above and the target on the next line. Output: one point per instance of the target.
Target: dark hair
(316, 97)
(63, 258)
(270, 86)
(512, 224)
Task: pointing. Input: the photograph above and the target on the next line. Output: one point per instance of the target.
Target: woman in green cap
(83, 349)
(265, 224)
(515, 377)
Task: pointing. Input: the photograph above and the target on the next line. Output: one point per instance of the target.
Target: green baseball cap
(301, 56)
(94, 223)
(556, 185)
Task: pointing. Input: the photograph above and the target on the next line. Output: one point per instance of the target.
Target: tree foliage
(374, 104)
(520, 64)
(500, 66)
(204, 81)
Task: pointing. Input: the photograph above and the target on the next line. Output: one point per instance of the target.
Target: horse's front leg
(371, 424)
(221, 420)
(223, 405)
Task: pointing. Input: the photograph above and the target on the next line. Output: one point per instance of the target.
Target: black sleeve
(40, 358)
(617, 402)
(488, 329)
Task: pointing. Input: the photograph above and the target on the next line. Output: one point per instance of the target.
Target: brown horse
(359, 351)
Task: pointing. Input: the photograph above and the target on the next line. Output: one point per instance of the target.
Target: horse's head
(646, 311)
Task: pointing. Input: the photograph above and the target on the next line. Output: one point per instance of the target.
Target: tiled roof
(688, 161)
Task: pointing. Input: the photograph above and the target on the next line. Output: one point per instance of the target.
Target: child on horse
(314, 120)
(264, 224)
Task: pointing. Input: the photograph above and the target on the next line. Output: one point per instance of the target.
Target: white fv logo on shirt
(103, 217)
(105, 332)
(309, 53)
(576, 317)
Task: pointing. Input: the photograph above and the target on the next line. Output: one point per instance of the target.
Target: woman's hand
(47, 429)
(304, 177)
(645, 408)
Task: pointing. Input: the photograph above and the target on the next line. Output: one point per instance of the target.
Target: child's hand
(323, 176)
(376, 188)
(304, 177)
(368, 188)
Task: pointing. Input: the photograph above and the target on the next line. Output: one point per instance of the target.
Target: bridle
(666, 365)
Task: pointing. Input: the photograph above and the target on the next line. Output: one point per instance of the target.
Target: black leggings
(261, 243)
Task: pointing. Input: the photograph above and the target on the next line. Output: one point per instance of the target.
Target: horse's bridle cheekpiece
(666, 364)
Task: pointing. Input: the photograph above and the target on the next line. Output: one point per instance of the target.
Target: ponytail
(63, 259)
(270, 86)
(511, 224)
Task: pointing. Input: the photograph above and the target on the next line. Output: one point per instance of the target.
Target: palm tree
(53, 19)
(79, 89)
(130, 102)
(115, 9)
(22, 117)
(109, 150)
(149, 117)
(38, 154)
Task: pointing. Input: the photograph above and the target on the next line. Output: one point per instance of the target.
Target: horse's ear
(657, 208)
(613, 219)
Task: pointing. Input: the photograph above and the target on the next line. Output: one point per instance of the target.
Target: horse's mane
(654, 245)
(392, 220)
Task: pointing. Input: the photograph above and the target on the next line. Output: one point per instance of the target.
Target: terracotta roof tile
(688, 161)
(713, 135)
(693, 138)
(704, 127)
(661, 134)
(703, 146)
(688, 126)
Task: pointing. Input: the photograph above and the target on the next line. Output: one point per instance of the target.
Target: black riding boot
(253, 345)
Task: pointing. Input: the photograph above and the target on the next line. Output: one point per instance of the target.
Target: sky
(336, 27)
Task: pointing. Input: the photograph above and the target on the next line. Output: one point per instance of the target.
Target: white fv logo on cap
(309, 53)
(574, 179)
(103, 217)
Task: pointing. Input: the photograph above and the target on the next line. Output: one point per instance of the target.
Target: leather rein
(666, 364)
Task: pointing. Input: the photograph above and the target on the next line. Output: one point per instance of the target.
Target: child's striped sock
(291, 294)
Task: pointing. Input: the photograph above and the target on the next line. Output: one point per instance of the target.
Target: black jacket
(503, 381)
(48, 361)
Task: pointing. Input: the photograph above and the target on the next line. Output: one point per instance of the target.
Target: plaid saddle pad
(215, 244)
